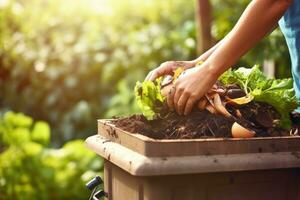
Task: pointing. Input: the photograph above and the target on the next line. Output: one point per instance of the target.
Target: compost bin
(137, 167)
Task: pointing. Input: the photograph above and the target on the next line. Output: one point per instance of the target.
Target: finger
(189, 105)
(148, 76)
(202, 103)
(159, 71)
(211, 109)
(156, 73)
(177, 95)
(182, 103)
(165, 68)
(170, 98)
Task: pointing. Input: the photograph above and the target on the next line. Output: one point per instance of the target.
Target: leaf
(32, 148)
(281, 96)
(41, 133)
(278, 93)
(17, 119)
(230, 77)
(149, 98)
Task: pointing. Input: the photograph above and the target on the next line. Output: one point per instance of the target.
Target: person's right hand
(168, 68)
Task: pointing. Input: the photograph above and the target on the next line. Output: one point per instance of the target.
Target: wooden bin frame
(137, 167)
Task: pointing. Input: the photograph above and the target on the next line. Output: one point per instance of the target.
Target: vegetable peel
(177, 73)
(241, 100)
(278, 93)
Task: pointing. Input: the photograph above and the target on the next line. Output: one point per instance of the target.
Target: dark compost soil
(202, 124)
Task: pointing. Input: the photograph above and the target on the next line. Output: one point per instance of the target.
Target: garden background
(64, 64)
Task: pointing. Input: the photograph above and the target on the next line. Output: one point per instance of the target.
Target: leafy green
(149, 98)
(276, 92)
(30, 169)
(98, 55)
(41, 133)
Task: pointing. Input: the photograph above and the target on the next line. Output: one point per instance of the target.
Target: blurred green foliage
(273, 47)
(70, 62)
(31, 170)
(62, 61)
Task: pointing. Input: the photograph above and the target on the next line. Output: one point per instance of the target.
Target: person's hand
(190, 87)
(168, 68)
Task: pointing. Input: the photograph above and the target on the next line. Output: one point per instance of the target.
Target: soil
(202, 124)
(295, 117)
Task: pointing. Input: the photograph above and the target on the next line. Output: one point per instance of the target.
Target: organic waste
(242, 103)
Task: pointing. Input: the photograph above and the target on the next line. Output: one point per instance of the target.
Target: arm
(206, 54)
(170, 66)
(257, 20)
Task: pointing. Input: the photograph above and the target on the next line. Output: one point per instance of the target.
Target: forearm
(206, 55)
(260, 17)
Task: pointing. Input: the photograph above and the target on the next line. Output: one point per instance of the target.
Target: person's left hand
(190, 87)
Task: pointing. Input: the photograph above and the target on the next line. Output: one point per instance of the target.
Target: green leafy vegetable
(149, 98)
(30, 169)
(276, 92)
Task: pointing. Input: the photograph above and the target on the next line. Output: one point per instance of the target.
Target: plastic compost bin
(137, 167)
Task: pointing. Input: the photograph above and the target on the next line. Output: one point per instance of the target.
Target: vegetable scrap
(242, 103)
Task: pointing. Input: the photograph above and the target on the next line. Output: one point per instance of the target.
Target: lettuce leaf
(149, 98)
(276, 92)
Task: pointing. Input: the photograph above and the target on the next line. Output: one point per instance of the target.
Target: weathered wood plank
(190, 147)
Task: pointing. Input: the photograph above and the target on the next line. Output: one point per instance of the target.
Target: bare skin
(259, 18)
(170, 66)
